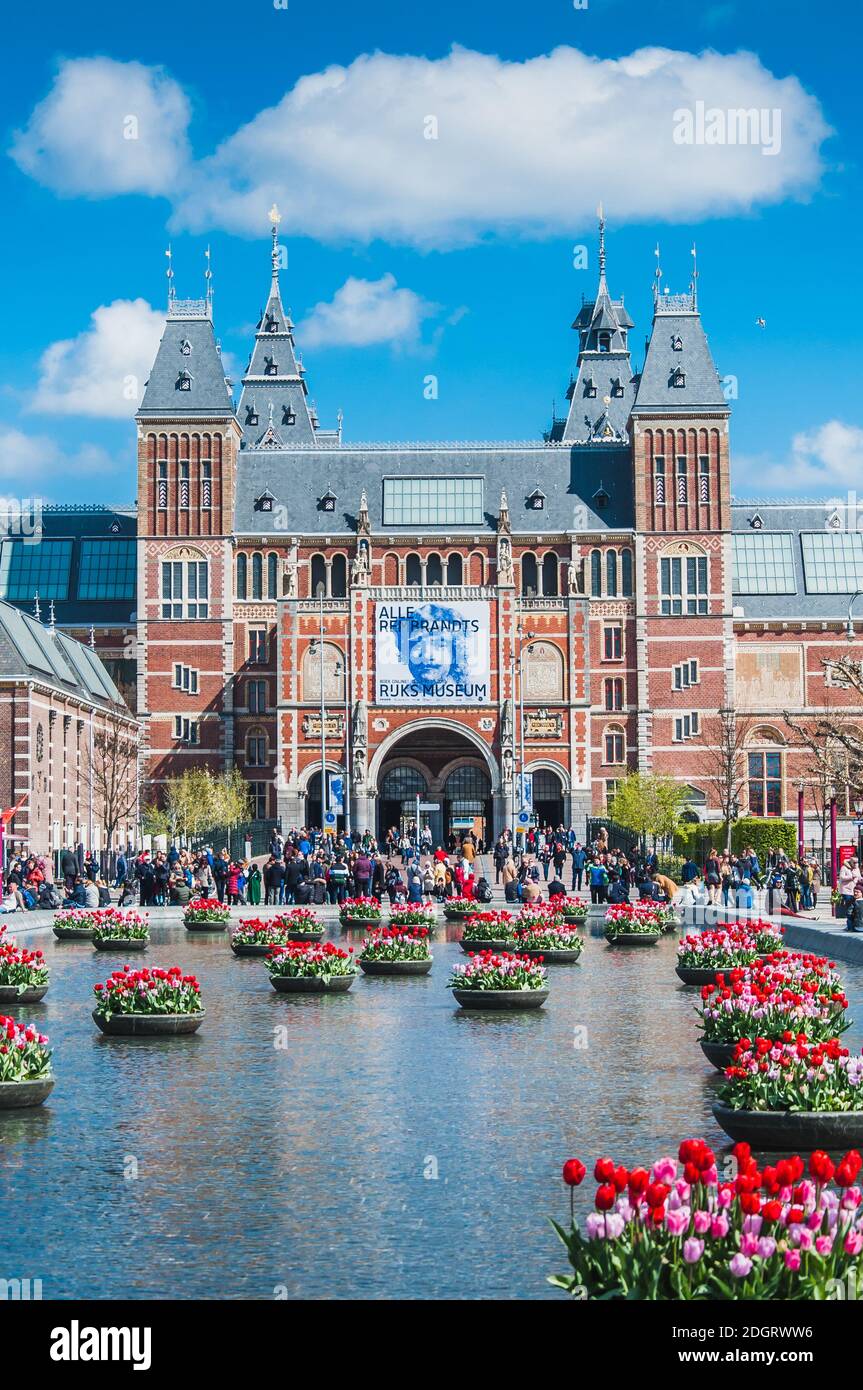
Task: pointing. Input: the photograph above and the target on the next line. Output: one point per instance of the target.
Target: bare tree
(723, 741)
(832, 745)
(114, 772)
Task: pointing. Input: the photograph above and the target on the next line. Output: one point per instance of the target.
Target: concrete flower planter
(205, 926)
(312, 984)
(148, 1025)
(251, 948)
(719, 1054)
(73, 933)
(21, 1095)
(698, 975)
(124, 943)
(504, 999)
(10, 994)
(396, 967)
(487, 944)
(361, 923)
(634, 938)
(551, 957)
(453, 915)
(317, 935)
(793, 1131)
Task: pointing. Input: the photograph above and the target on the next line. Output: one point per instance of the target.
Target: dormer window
(271, 367)
(289, 416)
(186, 348)
(536, 501)
(184, 382)
(589, 386)
(328, 502)
(677, 343)
(264, 503)
(251, 415)
(678, 377)
(605, 342)
(272, 324)
(600, 498)
(616, 386)
(756, 522)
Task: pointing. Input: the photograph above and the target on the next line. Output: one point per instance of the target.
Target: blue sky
(411, 256)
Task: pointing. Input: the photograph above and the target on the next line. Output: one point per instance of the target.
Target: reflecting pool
(379, 1144)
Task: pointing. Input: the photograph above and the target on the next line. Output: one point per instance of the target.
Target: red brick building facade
(572, 608)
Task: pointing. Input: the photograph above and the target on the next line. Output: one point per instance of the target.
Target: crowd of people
(310, 867)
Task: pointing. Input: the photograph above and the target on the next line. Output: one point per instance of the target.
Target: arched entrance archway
(447, 766)
(547, 798)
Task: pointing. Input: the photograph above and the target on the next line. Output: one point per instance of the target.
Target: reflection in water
(293, 1141)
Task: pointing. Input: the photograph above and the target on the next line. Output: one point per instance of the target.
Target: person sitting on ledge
(855, 915)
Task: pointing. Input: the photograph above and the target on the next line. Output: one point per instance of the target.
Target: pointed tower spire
(275, 219)
(208, 279)
(601, 396)
(37, 607)
(657, 277)
(169, 273)
(694, 285)
(275, 376)
(51, 616)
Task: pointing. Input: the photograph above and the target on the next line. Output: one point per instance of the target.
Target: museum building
(494, 629)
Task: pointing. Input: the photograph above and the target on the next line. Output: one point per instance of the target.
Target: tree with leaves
(648, 805)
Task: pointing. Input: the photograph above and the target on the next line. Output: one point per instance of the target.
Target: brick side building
(452, 614)
(62, 721)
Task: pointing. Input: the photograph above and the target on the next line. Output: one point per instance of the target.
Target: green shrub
(764, 835)
(695, 841)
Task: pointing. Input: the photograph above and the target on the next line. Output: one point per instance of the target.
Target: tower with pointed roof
(188, 444)
(682, 505)
(603, 390)
(274, 409)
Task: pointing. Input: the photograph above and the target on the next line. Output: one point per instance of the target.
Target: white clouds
(102, 371)
(822, 460)
(525, 148)
(521, 147)
(31, 461)
(365, 313)
(105, 128)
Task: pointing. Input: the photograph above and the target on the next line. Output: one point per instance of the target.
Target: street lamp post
(525, 636)
(319, 643)
(849, 622)
(800, 843)
(342, 670)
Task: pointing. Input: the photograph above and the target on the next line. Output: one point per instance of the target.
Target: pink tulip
(740, 1266)
(792, 1259)
(693, 1250)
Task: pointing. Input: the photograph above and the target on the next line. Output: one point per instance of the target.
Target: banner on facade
(432, 653)
(337, 793)
(526, 780)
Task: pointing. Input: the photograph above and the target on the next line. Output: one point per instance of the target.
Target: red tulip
(573, 1172)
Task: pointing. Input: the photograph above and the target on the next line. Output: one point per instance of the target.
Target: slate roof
(274, 389)
(795, 517)
(569, 478)
(34, 652)
(674, 321)
(602, 395)
(188, 324)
